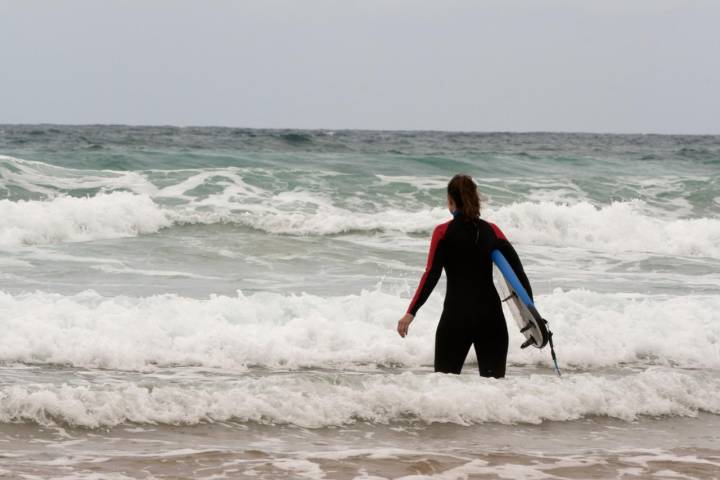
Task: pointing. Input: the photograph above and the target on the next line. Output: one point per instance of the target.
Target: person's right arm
(433, 269)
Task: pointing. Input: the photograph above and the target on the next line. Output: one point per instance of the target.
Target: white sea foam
(357, 331)
(46, 179)
(71, 219)
(312, 400)
(150, 273)
(421, 183)
(325, 219)
(14, 262)
(615, 228)
(602, 329)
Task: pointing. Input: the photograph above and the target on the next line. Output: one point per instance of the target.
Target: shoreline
(595, 447)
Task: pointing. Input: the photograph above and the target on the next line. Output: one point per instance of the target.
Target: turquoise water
(164, 281)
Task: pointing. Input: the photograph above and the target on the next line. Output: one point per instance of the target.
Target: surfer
(472, 312)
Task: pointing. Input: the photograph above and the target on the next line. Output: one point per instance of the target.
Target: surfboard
(521, 306)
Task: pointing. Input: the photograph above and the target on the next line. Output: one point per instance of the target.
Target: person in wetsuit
(472, 312)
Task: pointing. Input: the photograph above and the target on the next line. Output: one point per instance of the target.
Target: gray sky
(510, 65)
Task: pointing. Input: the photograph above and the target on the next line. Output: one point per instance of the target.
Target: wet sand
(590, 448)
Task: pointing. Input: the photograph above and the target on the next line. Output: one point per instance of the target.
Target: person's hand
(404, 324)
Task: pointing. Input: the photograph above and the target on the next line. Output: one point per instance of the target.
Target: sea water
(222, 303)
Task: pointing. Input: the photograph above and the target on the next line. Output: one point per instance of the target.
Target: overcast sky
(506, 65)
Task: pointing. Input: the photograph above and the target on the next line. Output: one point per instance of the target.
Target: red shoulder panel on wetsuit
(498, 233)
(438, 234)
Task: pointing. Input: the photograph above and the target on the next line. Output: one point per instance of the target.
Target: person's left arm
(508, 251)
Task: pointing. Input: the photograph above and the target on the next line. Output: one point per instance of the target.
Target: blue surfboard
(523, 310)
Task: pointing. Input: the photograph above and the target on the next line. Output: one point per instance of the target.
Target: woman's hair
(463, 191)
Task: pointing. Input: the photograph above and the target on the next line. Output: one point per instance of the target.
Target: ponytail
(463, 190)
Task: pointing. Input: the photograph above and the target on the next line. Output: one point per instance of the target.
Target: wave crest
(71, 219)
(273, 330)
(316, 401)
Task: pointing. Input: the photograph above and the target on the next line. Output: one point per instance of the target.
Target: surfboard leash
(552, 352)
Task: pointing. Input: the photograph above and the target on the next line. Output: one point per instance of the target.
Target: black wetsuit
(472, 312)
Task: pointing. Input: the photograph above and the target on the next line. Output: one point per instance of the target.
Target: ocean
(202, 303)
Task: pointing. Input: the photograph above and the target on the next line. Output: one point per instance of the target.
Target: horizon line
(323, 129)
